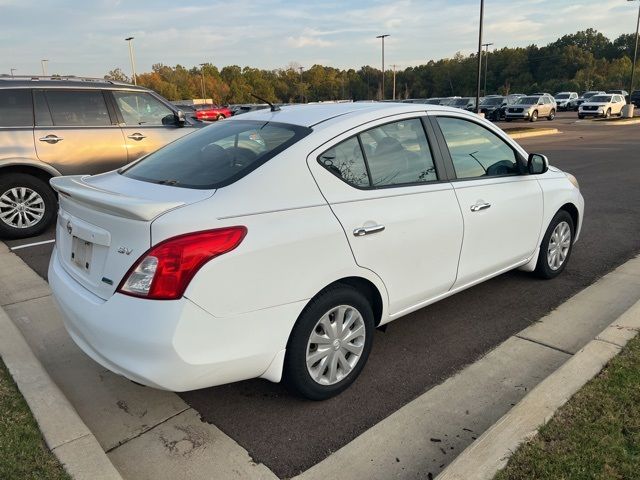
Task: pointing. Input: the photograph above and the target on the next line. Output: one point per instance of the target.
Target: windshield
(562, 96)
(589, 94)
(492, 101)
(600, 98)
(459, 102)
(527, 100)
(217, 155)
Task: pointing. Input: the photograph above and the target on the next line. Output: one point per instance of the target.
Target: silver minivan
(52, 126)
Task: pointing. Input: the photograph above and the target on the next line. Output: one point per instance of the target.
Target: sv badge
(125, 250)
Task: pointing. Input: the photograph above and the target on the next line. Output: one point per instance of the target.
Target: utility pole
(486, 65)
(43, 62)
(382, 37)
(394, 80)
(635, 56)
(479, 57)
(13, 70)
(133, 65)
(204, 92)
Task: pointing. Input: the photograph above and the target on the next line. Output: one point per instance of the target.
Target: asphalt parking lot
(421, 350)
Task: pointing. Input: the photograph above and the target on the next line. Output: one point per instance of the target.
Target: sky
(87, 37)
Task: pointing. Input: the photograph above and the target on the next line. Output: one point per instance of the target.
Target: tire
(547, 266)
(41, 198)
(534, 116)
(552, 115)
(581, 117)
(329, 304)
(508, 119)
(607, 113)
(220, 117)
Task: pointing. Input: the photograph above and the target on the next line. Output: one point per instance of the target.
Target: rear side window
(346, 161)
(141, 108)
(217, 155)
(16, 109)
(82, 108)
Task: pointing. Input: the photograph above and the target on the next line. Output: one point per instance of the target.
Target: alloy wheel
(559, 245)
(21, 207)
(335, 345)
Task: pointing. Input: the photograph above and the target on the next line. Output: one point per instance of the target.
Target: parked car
(635, 98)
(465, 103)
(531, 108)
(563, 99)
(188, 269)
(509, 100)
(575, 104)
(602, 106)
(65, 126)
(624, 93)
(206, 112)
(492, 106)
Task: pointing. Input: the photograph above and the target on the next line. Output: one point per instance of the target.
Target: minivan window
(16, 109)
(217, 155)
(82, 108)
(141, 108)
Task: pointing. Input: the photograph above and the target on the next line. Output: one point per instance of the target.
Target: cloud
(307, 41)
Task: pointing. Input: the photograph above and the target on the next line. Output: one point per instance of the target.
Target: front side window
(217, 155)
(475, 151)
(82, 108)
(16, 109)
(141, 108)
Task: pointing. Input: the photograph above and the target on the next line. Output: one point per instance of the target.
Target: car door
(389, 191)
(76, 133)
(147, 123)
(618, 103)
(502, 206)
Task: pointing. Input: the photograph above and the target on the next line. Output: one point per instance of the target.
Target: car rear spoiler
(74, 188)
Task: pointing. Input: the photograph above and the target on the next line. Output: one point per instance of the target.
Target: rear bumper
(170, 345)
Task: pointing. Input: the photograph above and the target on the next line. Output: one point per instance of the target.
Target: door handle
(480, 206)
(51, 139)
(136, 136)
(362, 231)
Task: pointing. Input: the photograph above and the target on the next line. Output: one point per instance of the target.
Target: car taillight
(164, 272)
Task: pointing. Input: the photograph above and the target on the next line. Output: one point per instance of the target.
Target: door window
(476, 151)
(140, 108)
(83, 108)
(346, 161)
(16, 109)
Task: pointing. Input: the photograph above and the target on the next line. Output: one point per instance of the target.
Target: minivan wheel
(329, 344)
(556, 246)
(27, 205)
(534, 116)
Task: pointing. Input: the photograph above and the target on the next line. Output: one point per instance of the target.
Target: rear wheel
(27, 205)
(552, 115)
(329, 344)
(556, 246)
(534, 116)
(220, 117)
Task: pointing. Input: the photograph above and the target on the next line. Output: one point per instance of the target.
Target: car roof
(309, 115)
(64, 82)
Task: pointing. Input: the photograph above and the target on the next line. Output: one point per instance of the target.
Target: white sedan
(602, 106)
(273, 244)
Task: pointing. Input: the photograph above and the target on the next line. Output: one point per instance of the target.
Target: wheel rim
(559, 245)
(21, 207)
(335, 345)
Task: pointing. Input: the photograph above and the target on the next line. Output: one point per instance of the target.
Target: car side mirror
(537, 164)
(180, 118)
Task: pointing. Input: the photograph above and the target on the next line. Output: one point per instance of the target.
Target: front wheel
(552, 115)
(607, 113)
(556, 246)
(534, 116)
(329, 344)
(27, 205)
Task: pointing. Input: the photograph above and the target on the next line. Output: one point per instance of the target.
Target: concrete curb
(536, 132)
(490, 453)
(63, 430)
(622, 122)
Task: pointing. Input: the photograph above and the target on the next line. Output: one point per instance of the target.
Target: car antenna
(274, 108)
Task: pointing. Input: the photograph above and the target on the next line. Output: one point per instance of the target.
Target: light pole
(204, 92)
(635, 55)
(394, 80)
(479, 57)
(43, 62)
(486, 65)
(13, 70)
(301, 85)
(133, 65)
(382, 37)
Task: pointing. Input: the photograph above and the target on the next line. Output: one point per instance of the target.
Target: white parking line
(18, 247)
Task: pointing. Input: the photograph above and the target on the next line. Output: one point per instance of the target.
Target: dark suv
(635, 98)
(66, 126)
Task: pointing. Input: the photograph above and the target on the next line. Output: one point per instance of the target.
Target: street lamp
(479, 57)
(133, 65)
(204, 92)
(486, 65)
(394, 80)
(382, 37)
(13, 70)
(43, 62)
(301, 85)
(635, 54)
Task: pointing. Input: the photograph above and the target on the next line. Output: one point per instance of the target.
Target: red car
(207, 112)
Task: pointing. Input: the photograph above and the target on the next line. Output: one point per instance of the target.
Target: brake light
(164, 272)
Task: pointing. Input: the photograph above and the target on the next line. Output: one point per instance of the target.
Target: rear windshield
(217, 155)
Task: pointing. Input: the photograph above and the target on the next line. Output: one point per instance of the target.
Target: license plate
(81, 252)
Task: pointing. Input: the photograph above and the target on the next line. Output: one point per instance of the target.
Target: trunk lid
(104, 224)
